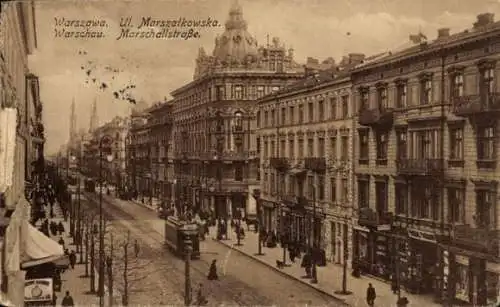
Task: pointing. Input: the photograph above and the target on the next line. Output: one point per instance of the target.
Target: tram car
(175, 236)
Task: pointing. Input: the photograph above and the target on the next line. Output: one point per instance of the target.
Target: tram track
(229, 290)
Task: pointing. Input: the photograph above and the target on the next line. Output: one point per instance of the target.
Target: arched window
(238, 121)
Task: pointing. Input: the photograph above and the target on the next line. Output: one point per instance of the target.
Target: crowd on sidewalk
(361, 290)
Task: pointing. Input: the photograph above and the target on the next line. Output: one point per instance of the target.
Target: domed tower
(236, 44)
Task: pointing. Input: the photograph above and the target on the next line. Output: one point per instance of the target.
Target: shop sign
(493, 267)
(422, 236)
(463, 260)
(384, 227)
(38, 290)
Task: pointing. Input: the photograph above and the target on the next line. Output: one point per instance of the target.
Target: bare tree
(127, 271)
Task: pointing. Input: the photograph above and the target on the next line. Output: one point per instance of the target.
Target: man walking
(370, 295)
(67, 300)
(72, 259)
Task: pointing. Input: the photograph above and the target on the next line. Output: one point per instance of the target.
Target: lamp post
(104, 140)
(187, 272)
(313, 252)
(256, 195)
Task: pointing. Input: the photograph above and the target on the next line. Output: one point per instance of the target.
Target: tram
(175, 236)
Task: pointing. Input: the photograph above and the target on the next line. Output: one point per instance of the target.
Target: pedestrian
(53, 228)
(137, 248)
(54, 299)
(67, 300)
(72, 259)
(61, 241)
(201, 300)
(212, 273)
(371, 295)
(394, 284)
(60, 227)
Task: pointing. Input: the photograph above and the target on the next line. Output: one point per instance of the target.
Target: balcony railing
(369, 217)
(421, 167)
(483, 238)
(376, 117)
(315, 164)
(279, 163)
(475, 104)
(229, 156)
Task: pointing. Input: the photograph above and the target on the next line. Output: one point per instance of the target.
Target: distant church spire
(94, 121)
(72, 123)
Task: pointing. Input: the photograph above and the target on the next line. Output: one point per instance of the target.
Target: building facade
(36, 160)
(138, 154)
(160, 133)
(216, 163)
(426, 167)
(17, 41)
(305, 134)
(104, 152)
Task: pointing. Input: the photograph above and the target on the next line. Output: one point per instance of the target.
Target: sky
(155, 67)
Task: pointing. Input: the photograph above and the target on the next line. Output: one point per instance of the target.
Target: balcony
(280, 164)
(482, 238)
(369, 218)
(315, 164)
(376, 117)
(229, 156)
(476, 104)
(420, 167)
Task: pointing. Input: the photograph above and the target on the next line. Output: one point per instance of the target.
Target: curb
(339, 299)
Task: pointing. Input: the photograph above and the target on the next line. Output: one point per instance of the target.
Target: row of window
(316, 147)
(336, 190)
(317, 111)
(457, 89)
(425, 144)
(423, 201)
(236, 92)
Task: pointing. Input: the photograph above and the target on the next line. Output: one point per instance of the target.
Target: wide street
(242, 281)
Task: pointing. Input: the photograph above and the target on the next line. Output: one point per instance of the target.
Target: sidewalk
(74, 280)
(329, 277)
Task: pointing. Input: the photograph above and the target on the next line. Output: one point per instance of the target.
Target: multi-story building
(138, 152)
(17, 41)
(160, 129)
(426, 165)
(35, 157)
(216, 164)
(305, 139)
(110, 140)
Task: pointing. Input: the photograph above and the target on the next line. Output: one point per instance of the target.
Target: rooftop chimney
(356, 58)
(484, 19)
(443, 32)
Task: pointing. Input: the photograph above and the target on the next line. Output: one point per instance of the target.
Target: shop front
(372, 252)
(423, 262)
(269, 216)
(472, 280)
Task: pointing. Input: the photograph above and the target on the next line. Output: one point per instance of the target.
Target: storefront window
(462, 282)
(363, 247)
(492, 291)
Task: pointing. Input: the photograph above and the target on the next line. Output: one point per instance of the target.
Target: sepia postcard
(250, 153)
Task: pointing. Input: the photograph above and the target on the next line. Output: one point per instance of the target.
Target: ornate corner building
(427, 165)
(216, 161)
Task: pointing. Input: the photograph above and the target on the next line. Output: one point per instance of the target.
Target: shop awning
(4, 300)
(39, 248)
(296, 171)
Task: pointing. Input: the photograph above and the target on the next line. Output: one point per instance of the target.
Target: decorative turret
(236, 44)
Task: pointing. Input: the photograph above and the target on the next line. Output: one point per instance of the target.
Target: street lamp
(313, 248)
(256, 195)
(104, 140)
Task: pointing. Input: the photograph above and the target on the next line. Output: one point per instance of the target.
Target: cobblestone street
(242, 280)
